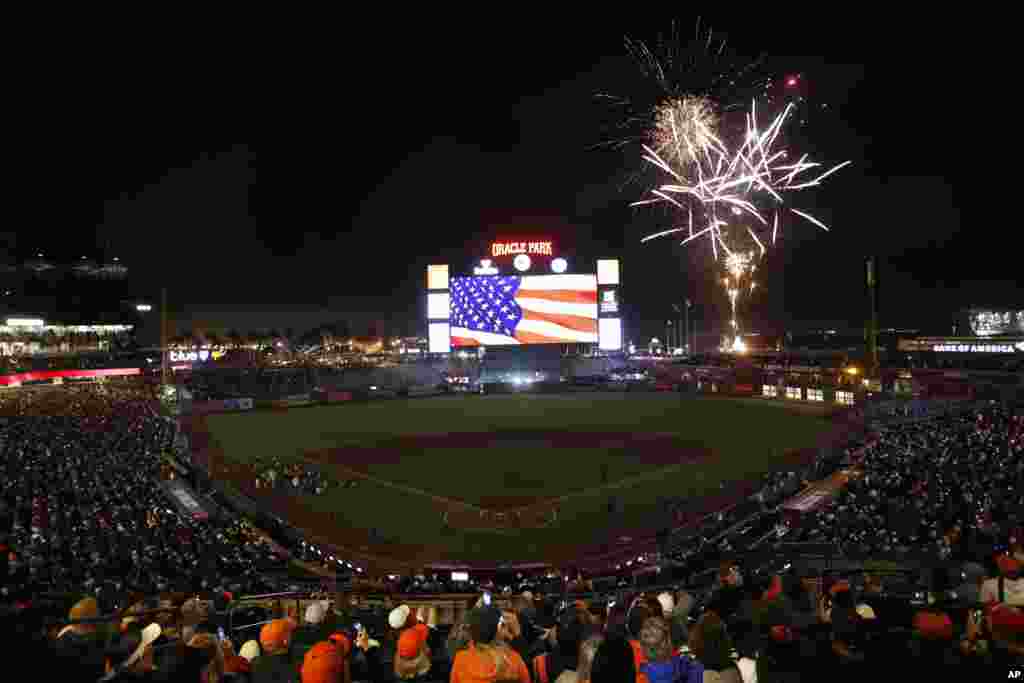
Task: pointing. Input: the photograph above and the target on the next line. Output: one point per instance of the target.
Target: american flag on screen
(493, 310)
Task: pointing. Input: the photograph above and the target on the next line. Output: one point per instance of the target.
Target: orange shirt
(476, 666)
(638, 659)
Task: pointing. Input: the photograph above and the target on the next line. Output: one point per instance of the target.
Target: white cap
(316, 612)
(667, 603)
(149, 634)
(250, 651)
(865, 611)
(399, 616)
(528, 595)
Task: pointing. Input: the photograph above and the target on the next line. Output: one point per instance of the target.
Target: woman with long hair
(711, 645)
(487, 659)
(659, 664)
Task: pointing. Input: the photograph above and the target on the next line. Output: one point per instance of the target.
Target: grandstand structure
(789, 525)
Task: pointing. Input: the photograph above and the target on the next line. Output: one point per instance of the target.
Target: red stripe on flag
(587, 297)
(533, 338)
(464, 341)
(577, 323)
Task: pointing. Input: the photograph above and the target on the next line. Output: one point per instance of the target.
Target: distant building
(989, 322)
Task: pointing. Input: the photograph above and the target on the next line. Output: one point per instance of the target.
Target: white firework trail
(706, 174)
(735, 178)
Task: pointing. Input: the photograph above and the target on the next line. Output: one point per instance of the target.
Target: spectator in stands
(973, 580)
(615, 623)
(613, 662)
(204, 660)
(236, 666)
(130, 656)
(1008, 587)
(366, 658)
(711, 645)
(932, 645)
(568, 633)
(779, 649)
(486, 659)
(660, 664)
(413, 654)
(324, 663)
(1006, 625)
(1016, 550)
(729, 594)
(312, 631)
(679, 616)
(841, 612)
(511, 633)
(588, 649)
(274, 665)
(459, 637)
(82, 644)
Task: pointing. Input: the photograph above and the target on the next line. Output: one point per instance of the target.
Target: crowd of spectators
(82, 508)
(82, 512)
(953, 487)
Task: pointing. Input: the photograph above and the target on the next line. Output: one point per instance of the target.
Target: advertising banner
(225, 406)
(291, 401)
(238, 404)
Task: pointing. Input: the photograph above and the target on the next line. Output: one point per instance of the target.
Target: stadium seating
(919, 554)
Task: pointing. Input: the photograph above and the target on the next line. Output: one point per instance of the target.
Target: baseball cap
(774, 588)
(250, 650)
(865, 611)
(86, 608)
(667, 603)
(342, 642)
(933, 626)
(399, 616)
(323, 664)
(1007, 564)
(316, 612)
(276, 633)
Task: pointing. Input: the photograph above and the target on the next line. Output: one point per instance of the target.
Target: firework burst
(682, 127)
(737, 192)
(686, 78)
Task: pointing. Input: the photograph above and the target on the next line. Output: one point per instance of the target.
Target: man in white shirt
(1007, 588)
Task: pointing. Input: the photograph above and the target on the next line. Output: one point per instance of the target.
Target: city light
(486, 267)
(522, 262)
(559, 265)
(25, 322)
(143, 308)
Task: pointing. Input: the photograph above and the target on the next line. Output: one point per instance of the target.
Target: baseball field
(508, 477)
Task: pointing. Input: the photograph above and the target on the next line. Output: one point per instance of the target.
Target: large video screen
(505, 310)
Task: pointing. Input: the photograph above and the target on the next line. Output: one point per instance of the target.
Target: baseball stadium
(457, 478)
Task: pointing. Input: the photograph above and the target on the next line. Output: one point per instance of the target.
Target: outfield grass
(748, 437)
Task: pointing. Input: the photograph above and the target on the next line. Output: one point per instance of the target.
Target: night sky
(382, 154)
